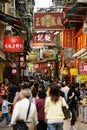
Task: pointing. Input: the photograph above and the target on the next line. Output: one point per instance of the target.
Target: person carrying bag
(20, 115)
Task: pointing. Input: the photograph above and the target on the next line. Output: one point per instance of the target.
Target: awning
(78, 8)
(75, 12)
(13, 21)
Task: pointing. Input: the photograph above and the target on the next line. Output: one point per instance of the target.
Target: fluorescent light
(79, 52)
(56, 32)
(85, 57)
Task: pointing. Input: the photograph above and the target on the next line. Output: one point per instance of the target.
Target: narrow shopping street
(79, 125)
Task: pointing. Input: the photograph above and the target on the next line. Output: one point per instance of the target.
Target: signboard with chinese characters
(74, 71)
(83, 68)
(68, 38)
(83, 77)
(48, 21)
(32, 56)
(13, 44)
(42, 37)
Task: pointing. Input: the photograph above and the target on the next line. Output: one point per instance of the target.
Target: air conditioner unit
(82, 1)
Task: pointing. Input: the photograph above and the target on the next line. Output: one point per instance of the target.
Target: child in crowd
(5, 111)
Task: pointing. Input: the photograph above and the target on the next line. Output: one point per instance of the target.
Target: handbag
(66, 112)
(21, 124)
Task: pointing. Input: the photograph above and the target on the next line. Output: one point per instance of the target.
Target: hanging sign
(68, 38)
(13, 43)
(83, 68)
(48, 21)
(42, 37)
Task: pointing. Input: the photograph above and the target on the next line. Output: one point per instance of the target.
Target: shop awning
(13, 21)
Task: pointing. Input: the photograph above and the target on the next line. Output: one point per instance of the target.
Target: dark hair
(41, 86)
(54, 93)
(25, 86)
(42, 94)
(4, 97)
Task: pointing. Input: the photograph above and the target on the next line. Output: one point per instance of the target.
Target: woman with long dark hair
(53, 109)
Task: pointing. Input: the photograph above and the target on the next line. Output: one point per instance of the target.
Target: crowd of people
(47, 96)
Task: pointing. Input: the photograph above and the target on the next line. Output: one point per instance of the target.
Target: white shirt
(20, 112)
(65, 90)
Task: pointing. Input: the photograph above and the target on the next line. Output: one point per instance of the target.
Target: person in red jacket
(40, 103)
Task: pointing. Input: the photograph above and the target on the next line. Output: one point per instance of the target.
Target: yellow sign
(74, 71)
(83, 77)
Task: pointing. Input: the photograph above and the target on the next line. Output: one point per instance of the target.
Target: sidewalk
(79, 125)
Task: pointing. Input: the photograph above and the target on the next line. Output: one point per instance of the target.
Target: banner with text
(48, 21)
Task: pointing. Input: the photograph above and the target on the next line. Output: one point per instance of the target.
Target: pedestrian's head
(40, 87)
(42, 94)
(25, 90)
(54, 93)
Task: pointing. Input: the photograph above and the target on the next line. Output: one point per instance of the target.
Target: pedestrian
(83, 93)
(21, 107)
(12, 89)
(40, 104)
(53, 109)
(5, 112)
(72, 99)
(3, 91)
(84, 104)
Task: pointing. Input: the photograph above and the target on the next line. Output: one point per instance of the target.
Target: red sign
(48, 21)
(13, 43)
(83, 68)
(42, 37)
(68, 38)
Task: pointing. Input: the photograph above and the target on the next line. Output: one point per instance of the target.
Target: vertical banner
(68, 38)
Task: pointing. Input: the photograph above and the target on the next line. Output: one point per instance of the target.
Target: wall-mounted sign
(83, 77)
(42, 37)
(49, 54)
(74, 71)
(48, 21)
(13, 43)
(83, 68)
(68, 38)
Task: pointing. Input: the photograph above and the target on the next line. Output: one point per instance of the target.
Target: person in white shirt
(21, 107)
(65, 88)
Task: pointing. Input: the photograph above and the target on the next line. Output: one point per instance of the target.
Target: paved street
(79, 125)
(3, 126)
